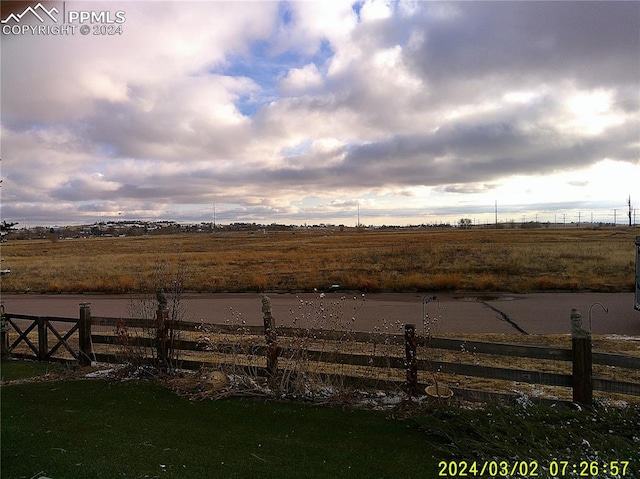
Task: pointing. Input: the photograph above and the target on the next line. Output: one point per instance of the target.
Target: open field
(514, 260)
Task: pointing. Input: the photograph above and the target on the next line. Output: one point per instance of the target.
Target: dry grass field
(515, 260)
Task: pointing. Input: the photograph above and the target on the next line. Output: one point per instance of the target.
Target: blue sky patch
(267, 69)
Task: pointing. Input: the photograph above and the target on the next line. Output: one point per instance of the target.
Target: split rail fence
(369, 360)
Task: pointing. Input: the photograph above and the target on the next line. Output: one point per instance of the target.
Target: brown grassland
(514, 260)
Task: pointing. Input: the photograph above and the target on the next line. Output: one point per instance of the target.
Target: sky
(409, 112)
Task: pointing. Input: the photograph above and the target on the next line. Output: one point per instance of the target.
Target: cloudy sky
(298, 112)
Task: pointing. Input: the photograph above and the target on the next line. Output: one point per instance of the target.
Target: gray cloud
(460, 153)
(530, 42)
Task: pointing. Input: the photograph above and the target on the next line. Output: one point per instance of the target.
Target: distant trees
(465, 223)
(6, 227)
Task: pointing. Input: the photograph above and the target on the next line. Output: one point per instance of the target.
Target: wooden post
(582, 361)
(410, 346)
(4, 333)
(162, 337)
(270, 338)
(84, 335)
(637, 295)
(43, 340)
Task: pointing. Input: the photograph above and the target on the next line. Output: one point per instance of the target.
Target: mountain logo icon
(39, 11)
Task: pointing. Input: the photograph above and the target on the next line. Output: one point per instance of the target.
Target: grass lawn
(98, 429)
(19, 369)
(137, 428)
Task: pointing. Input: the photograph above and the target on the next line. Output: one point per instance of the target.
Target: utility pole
(214, 217)
(630, 208)
(496, 213)
(615, 216)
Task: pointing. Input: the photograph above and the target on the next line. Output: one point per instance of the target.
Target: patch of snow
(621, 337)
(101, 373)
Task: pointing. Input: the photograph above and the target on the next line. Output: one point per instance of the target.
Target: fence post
(4, 333)
(162, 337)
(410, 346)
(582, 361)
(270, 338)
(84, 335)
(43, 340)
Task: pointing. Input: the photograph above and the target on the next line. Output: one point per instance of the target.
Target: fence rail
(268, 348)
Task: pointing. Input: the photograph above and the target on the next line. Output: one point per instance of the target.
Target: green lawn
(97, 429)
(105, 429)
(11, 370)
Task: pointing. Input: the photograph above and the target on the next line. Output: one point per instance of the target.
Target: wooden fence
(268, 350)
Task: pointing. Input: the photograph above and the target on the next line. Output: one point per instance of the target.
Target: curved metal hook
(606, 310)
(428, 298)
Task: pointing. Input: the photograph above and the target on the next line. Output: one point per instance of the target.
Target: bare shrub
(163, 290)
(323, 327)
(308, 368)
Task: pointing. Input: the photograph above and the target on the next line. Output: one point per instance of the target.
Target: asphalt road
(540, 313)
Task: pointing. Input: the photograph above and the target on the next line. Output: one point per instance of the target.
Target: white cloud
(313, 22)
(301, 80)
(592, 111)
(102, 87)
(375, 10)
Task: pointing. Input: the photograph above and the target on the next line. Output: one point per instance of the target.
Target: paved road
(541, 313)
